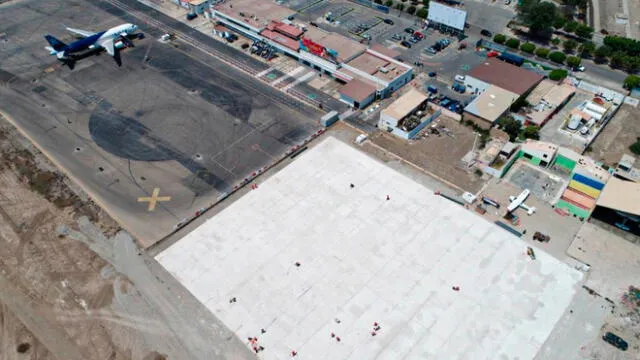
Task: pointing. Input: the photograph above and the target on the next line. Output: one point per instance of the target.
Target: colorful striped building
(586, 182)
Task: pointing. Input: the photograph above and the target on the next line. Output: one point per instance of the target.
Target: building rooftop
(255, 13)
(621, 195)
(357, 90)
(364, 259)
(385, 51)
(281, 39)
(385, 69)
(540, 149)
(551, 93)
(286, 29)
(405, 104)
(345, 47)
(626, 168)
(492, 103)
(589, 165)
(568, 153)
(506, 76)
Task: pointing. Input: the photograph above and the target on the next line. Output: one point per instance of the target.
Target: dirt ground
(73, 286)
(439, 155)
(622, 131)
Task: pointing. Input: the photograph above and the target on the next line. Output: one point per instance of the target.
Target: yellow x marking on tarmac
(154, 199)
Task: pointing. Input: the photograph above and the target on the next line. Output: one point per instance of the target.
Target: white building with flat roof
(306, 255)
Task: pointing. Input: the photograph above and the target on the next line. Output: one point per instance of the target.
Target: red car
(418, 34)
(492, 53)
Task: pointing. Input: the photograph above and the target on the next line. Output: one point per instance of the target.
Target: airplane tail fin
(56, 44)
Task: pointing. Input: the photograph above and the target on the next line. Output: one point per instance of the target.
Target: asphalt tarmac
(171, 118)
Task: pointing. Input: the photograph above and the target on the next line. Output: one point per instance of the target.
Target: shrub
(499, 39)
(584, 31)
(555, 41)
(557, 57)
(529, 48)
(571, 26)
(542, 52)
(411, 9)
(558, 74)
(422, 13)
(635, 148)
(513, 43)
(389, 3)
(603, 51)
(573, 61)
(632, 81)
(570, 45)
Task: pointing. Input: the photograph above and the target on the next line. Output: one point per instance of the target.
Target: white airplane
(518, 201)
(92, 40)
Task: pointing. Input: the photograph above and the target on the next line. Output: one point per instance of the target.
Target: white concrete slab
(365, 259)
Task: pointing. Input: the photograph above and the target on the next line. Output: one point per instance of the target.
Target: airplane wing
(81, 32)
(107, 44)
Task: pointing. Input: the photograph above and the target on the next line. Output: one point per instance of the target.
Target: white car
(578, 68)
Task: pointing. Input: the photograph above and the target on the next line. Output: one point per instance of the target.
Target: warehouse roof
(621, 195)
(345, 47)
(405, 104)
(492, 103)
(506, 76)
(357, 90)
(256, 13)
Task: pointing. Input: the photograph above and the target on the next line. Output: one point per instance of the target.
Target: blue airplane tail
(56, 44)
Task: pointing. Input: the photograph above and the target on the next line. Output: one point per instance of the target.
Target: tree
(411, 9)
(542, 52)
(619, 43)
(499, 39)
(513, 43)
(603, 51)
(510, 126)
(617, 59)
(557, 57)
(631, 64)
(587, 48)
(559, 22)
(531, 132)
(529, 48)
(632, 81)
(570, 45)
(377, 1)
(422, 13)
(558, 74)
(573, 61)
(389, 3)
(539, 16)
(400, 6)
(635, 148)
(571, 26)
(425, 2)
(584, 31)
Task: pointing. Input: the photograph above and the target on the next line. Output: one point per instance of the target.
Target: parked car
(485, 32)
(578, 68)
(615, 340)
(388, 21)
(432, 74)
(430, 50)
(191, 16)
(406, 44)
(432, 89)
(458, 88)
(419, 35)
(459, 78)
(397, 37)
(409, 30)
(413, 39)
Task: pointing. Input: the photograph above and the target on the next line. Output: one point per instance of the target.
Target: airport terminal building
(377, 73)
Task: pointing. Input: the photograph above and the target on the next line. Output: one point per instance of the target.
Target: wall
(363, 104)
(387, 121)
(477, 120)
(573, 209)
(398, 83)
(411, 134)
(621, 220)
(564, 162)
(445, 112)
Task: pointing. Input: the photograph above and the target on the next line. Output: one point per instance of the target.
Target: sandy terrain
(620, 133)
(73, 286)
